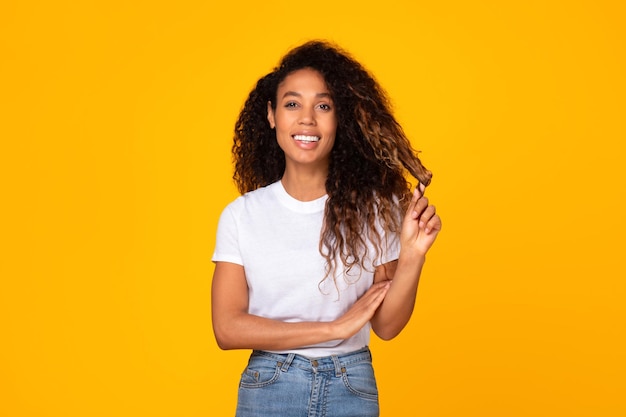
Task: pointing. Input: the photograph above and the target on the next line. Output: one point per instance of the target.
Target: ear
(270, 115)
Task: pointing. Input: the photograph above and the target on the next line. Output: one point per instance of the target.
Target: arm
(235, 328)
(419, 231)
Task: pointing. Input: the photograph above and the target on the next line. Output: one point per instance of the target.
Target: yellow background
(115, 126)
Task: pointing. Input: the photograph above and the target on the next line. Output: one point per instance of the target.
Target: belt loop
(338, 368)
(287, 362)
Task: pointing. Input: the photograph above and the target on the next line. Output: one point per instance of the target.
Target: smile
(306, 139)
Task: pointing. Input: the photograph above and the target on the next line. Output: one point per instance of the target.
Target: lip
(306, 138)
(306, 133)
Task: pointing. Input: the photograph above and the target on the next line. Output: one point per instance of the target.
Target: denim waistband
(321, 364)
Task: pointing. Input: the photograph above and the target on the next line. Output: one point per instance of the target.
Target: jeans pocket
(259, 373)
(359, 379)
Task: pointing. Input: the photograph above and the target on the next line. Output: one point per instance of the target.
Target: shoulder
(251, 200)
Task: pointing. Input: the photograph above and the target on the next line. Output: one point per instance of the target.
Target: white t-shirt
(276, 239)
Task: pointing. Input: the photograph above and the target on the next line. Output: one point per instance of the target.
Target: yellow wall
(115, 127)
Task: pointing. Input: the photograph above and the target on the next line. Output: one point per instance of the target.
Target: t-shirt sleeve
(391, 248)
(227, 238)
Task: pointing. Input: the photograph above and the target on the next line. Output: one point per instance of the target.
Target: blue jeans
(291, 385)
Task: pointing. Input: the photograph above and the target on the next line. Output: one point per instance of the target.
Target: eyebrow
(296, 94)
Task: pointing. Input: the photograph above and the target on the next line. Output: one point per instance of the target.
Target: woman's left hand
(420, 226)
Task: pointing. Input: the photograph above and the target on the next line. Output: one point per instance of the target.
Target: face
(304, 119)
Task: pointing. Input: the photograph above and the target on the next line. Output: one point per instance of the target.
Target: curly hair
(367, 187)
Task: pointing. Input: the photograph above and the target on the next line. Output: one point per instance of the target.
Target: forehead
(304, 80)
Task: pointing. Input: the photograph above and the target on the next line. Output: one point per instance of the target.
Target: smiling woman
(305, 258)
(303, 115)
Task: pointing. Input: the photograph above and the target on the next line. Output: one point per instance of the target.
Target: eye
(325, 107)
(291, 105)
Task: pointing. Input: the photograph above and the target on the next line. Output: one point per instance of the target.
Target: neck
(305, 186)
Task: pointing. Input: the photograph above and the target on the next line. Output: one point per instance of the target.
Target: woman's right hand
(361, 311)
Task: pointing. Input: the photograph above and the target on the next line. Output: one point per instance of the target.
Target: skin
(304, 106)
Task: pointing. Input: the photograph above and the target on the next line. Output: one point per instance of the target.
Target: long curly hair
(367, 187)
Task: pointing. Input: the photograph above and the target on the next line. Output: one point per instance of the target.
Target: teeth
(306, 139)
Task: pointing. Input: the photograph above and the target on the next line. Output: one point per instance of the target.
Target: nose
(307, 116)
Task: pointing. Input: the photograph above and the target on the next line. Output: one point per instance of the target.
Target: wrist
(331, 330)
(411, 263)
(411, 257)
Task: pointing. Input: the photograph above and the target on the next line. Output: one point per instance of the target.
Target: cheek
(333, 134)
(332, 124)
(283, 122)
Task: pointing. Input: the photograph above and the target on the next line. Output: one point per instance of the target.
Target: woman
(326, 242)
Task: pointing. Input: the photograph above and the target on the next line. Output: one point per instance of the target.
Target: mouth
(306, 138)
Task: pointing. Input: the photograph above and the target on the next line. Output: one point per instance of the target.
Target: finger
(378, 298)
(373, 291)
(420, 206)
(426, 215)
(369, 302)
(380, 284)
(379, 287)
(411, 213)
(433, 225)
(417, 204)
